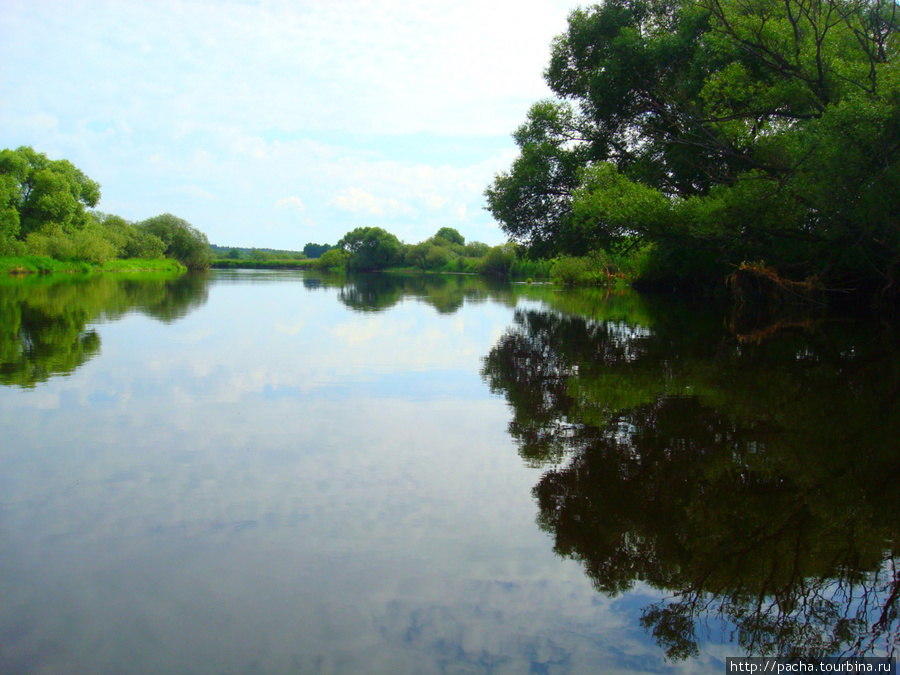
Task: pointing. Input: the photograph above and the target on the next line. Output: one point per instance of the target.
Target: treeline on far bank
(371, 249)
(48, 223)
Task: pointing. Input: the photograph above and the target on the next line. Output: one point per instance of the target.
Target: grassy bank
(34, 264)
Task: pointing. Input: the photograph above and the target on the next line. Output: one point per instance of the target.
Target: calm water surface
(258, 472)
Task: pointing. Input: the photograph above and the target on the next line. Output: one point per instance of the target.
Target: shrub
(499, 260)
(332, 258)
(183, 242)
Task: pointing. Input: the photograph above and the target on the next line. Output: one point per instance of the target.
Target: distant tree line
(46, 209)
(374, 248)
(369, 249)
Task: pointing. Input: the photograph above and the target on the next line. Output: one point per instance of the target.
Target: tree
(182, 241)
(333, 258)
(130, 241)
(532, 201)
(371, 248)
(769, 127)
(476, 249)
(260, 255)
(498, 261)
(451, 235)
(315, 250)
(36, 192)
(9, 206)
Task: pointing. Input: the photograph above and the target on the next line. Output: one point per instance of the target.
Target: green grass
(37, 264)
(143, 265)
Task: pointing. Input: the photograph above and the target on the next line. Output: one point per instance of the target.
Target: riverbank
(46, 265)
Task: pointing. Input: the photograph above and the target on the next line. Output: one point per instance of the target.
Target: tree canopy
(724, 130)
(36, 192)
(182, 241)
(370, 248)
(450, 235)
(312, 250)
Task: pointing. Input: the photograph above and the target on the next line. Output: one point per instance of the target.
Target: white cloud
(434, 201)
(293, 202)
(358, 201)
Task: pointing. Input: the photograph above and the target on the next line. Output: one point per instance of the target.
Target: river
(283, 472)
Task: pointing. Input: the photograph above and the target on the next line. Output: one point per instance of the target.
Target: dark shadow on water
(753, 479)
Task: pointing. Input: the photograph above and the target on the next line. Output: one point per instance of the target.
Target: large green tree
(37, 192)
(371, 248)
(768, 129)
(182, 241)
(451, 235)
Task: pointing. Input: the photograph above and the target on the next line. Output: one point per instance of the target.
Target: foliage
(44, 214)
(130, 240)
(612, 213)
(499, 260)
(182, 241)
(37, 192)
(283, 264)
(599, 267)
(315, 250)
(530, 269)
(532, 200)
(428, 255)
(450, 235)
(721, 131)
(29, 264)
(333, 258)
(371, 248)
(571, 271)
(142, 265)
(475, 249)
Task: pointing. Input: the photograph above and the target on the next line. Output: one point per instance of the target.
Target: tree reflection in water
(45, 322)
(752, 480)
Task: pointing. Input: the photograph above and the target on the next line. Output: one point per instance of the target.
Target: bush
(371, 248)
(183, 242)
(499, 260)
(569, 271)
(333, 258)
(599, 268)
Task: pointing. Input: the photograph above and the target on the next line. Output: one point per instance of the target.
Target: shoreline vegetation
(48, 223)
(25, 265)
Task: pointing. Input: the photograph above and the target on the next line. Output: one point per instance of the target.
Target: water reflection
(307, 474)
(445, 293)
(45, 330)
(753, 480)
(370, 293)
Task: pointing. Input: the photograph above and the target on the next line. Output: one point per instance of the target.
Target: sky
(275, 123)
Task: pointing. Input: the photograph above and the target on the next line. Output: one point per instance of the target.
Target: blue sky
(276, 123)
